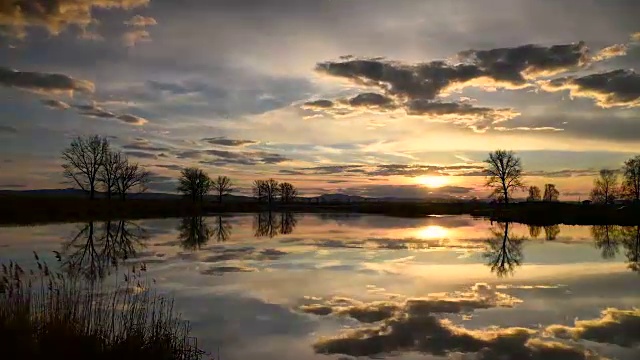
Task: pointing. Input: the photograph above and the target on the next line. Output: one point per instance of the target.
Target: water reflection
(270, 224)
(194, 232)
(551, 232)
(96, 249)
(609, 238)
(504, 251)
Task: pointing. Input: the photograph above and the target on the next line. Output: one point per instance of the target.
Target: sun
(433, 181)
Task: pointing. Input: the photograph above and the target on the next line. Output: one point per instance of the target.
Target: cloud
(141, 154)
(413, 326)
(526, 128)
(617, 88)
(620, 327)
(44, 83)
(144, 145)
(563, 173)
(464, 114)
(635, 37)
(409, 170)
(6, 129)
(318, 104)
(132, 38)
(95, 111)
(223, 157)
(223, 141)
(611, 52)
(55, 104)
(55, 15)
(132, 119)
(407, 191)
(141, 21)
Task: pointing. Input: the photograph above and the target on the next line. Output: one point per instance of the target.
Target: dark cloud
(372, 100)
(413, 326)
(95, 111)
(223, 157)
(145, 145)
(55, 15)
(48, 83)
(463, 114)
(563, 173)
(170, 166)
(615, 326)
(12, 186)
(407, 191)
(318, 104)
(141, 154)
(55, 104)
(617, 88)
(244, 254)
(410, 170)
(223, 141)
(6, 129)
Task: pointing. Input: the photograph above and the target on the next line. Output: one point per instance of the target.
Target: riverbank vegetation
(48, 314)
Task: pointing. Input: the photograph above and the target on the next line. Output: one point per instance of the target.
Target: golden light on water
(433, 181)
(432, 232)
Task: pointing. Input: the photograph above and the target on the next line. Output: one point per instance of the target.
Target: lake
(336, 286)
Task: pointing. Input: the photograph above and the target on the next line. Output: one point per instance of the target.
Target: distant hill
(325, 198)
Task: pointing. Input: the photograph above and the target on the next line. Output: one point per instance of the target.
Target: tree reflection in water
(194, 232)
(269, 224)
(504, 251)
(608, 239)
(96, 250)
(550, 232)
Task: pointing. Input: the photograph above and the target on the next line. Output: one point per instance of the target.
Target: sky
(399, 98)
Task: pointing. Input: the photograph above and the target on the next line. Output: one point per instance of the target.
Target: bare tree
(130, 176)
(83, 160)
(108, 173)
(194, 183)
(504, 251)
(288, 192)
(550, 193)
(534, 194)
(222, 186)
(504, 174)
(271, 190)
(258, 189)
(631, 181)
(605, 187)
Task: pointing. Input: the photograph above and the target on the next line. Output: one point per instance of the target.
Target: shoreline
(35, 210)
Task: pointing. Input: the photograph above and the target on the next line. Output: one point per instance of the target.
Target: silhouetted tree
(551, 232)
(607, 239)
(222, 186)
(108, 172)
(504, 252)
(194, 183)
(258, 190)
(130, 176)
(193, 232)
(605, 187)
(288, 192)
(534, 231)
(95, 250)
(631, 243)
(504, 174)
(287, 223)
(222, 229)
(534, 194)
(83, 160)
(631, 179)
(550, 193)
(271, 190)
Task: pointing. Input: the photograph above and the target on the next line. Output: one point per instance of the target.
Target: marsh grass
(46, 314)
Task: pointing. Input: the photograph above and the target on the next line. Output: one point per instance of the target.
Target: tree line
(505, 175)
(92, 165)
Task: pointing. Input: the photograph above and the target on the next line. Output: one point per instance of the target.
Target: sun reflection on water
(433, 232)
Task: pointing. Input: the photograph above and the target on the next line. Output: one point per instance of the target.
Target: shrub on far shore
(45, 314)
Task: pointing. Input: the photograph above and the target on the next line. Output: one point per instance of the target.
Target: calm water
(279, 286)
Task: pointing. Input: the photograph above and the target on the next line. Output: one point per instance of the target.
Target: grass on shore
(45, 314)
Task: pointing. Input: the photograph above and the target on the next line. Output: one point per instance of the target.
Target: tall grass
(59, 315)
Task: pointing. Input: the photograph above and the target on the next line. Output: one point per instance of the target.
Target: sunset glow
(433, 181)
